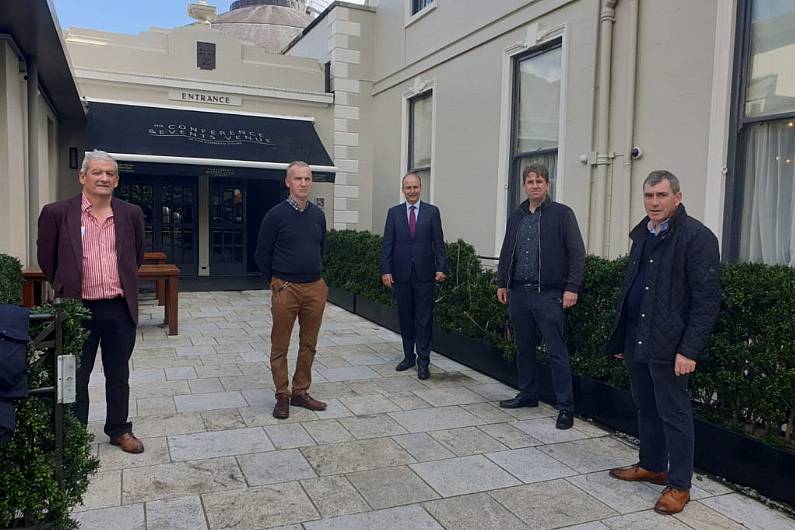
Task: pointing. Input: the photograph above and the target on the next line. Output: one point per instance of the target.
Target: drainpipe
(32, 65)
(600, 157)
(629, 126)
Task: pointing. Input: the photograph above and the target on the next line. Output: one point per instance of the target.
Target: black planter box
(484, 358)
(612, 407)
(380, 314)
(342, 298)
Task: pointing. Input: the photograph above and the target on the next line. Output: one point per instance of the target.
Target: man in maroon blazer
(90, 248)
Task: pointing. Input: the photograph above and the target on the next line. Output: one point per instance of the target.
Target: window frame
(410, 146)
(412, 16)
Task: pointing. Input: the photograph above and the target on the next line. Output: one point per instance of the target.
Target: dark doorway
(262, 196)
(170, 220)
(228, 227)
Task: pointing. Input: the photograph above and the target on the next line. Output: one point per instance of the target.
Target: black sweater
(290, 243)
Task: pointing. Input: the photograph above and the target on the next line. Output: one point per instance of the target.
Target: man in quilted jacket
(666, 311)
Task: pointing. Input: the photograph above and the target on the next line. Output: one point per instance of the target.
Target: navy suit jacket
(425, 251)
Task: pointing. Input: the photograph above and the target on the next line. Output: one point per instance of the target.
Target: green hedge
(29, 492)
(748, 383)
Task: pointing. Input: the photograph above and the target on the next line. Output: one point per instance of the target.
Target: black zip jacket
(561, 253)
(681, 292)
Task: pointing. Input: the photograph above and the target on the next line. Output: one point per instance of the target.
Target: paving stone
(288, 436)
(749, 512)
(112, 458)
(392, 486)
(334, 496)
(327, 390)
(212, 401)
(509, 435)
(448, 379)
(195, 350)
(220, 370)
(443, 397)
(544, 429)
(118, 518)
(594, 525)
(422, 447)
(494, 391)
(467, 441)
(205, 386)
(260, 397)
(488, 412)
(246, 382)
(647, 520)
(275, 466)
(363, 359)
(473, 512)
(261, 416)
(532, 413)
(219, 420)
(622, 496)
(159, 389)
(530, 465)
(203, 445)
(468, 474)
(592, 429)
(232, 347)
(154, 426)
(155, 406)
(701, 517)
(327, 431)
(552, 504)
(351, 373)
(180, 479)
(104, 491)
(408, 401)
(184, 513)
(402, 518)
(594, 454)
(346, 457)
(334, 409)
(423, 420)
(181, 373)
(261, 507)
(375, 426)
(372, 404)
(710, 485)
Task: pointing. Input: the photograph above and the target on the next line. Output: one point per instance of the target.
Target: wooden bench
(157, 258)
(32, 289)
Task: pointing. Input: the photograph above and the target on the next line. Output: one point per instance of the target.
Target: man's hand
(683, 365)
(619, 356)
(386, 279)
(569, 299)
(440, 276)
(502, 295)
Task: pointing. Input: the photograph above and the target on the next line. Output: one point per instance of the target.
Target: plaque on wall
(205, 55)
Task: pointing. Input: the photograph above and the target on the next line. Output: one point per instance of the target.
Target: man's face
(660, 201)
(535, 187)
(299, 182)
(412, 189)
(100, 178)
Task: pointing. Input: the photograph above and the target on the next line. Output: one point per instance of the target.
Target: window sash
(419, 5)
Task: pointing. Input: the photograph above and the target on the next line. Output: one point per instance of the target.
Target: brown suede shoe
(672, 501)
(128, 443)
(637, 473)
(282, 408)
(306, 401)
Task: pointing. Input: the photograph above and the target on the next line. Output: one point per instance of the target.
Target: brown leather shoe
(306, 401)
(282, 408)
(637, 473)
(672, 501)
(128, 443)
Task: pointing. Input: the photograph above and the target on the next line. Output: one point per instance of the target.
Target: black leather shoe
(518, 402)
(405, 364)
(565, 420)
(423, 372)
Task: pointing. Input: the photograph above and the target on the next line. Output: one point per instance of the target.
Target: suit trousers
(665, 415)
(305, 301)
(535, 313)
(112, 328)
(415, 312)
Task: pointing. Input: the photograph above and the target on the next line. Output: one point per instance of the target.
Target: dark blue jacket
(681, 296)
(426, 250)
(562, 252)
(13, 365)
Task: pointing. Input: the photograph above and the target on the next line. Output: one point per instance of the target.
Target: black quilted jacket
(682, 296)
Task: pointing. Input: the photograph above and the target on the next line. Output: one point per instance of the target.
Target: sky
(129, 16)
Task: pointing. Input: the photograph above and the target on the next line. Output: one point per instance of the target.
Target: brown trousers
(288, 301)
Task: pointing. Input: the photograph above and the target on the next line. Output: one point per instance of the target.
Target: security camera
(636, 153)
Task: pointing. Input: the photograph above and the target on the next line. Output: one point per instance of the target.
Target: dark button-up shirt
(525, 269)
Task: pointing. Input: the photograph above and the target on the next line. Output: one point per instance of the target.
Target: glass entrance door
(169, 217)
(228, 241)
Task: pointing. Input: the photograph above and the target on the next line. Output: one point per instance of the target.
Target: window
(535, 116)
(419, 5)
(761, 207)
(205, 55)
(420, 139)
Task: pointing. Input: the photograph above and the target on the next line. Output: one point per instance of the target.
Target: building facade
(467, 93)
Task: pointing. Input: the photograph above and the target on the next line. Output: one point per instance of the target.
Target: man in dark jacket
(539, 275)
(666, 311)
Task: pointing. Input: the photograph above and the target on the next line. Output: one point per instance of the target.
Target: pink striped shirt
(100, 269)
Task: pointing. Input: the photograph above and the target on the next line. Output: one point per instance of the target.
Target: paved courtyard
(391, 452)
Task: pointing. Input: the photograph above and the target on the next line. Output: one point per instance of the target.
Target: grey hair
(655, 177)
(410, 174)
(297, 163)
(94, 155)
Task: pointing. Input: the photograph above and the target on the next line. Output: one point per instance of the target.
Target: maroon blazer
(60, 247)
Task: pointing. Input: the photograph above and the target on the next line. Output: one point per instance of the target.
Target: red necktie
(412, 221)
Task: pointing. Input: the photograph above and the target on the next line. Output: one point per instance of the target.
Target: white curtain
(768, 220)
(550, 160)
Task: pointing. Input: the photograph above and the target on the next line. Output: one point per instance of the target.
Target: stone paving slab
(390, 451)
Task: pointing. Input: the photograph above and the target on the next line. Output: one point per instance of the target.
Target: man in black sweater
(289, 254)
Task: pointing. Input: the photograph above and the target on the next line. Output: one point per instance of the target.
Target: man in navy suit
(412, 258)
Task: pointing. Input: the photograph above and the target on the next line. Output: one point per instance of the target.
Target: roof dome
(271, 24)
